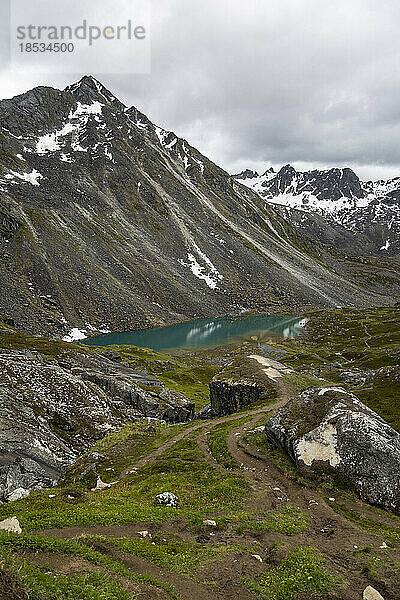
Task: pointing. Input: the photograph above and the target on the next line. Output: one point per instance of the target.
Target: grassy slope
(355, 338)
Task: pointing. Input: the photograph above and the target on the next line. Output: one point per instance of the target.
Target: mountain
(109, 222)
(369, 210)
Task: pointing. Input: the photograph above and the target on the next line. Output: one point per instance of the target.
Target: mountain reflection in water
(203, 333)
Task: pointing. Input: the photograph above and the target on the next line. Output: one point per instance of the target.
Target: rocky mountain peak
(269, 172)
(337, 194)
(88, 90)
(246, 174)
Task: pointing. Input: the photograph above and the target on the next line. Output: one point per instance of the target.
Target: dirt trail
(204, 425)
(331, 533)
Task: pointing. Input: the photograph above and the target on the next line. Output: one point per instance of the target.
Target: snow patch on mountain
(33, 177)
(207, 273)
(77, 120)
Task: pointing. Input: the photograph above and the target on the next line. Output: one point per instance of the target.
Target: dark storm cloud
(312, 82)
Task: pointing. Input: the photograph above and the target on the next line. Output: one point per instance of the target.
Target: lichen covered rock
(330, 430)
(166, 499)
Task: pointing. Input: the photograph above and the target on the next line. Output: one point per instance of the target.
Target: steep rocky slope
(335, 206)
(110, 222)
(53, 410)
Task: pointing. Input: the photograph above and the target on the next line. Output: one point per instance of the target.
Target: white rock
(11, 524)
(100, 485)
(144, 534)
(52, 495)
(210, 522)
(17, 494)
(166, 499)
(383, 545)
(371, 593)
(257, 557)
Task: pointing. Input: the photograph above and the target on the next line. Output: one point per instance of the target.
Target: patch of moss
(217, 442)
(119, 450)
(174, 554)
(77, 585)
(303, 571)
(391, 535)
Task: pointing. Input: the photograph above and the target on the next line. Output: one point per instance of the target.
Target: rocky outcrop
(51, 412)
(126, 387)
(228, 396)
(357, 378)
(329, 430)
(238, 385)
(48, 417)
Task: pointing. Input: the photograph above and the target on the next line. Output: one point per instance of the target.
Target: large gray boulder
(330, 430)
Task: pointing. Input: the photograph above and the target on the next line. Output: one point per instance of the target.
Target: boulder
(357, 378)
(210, 522)
(328, 430)
(11, 524)
(49, 417)
(112, 355)
(371, 593)
(241, 383)
(204, 413)
(166, 499)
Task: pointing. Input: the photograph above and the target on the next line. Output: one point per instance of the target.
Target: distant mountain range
(109, 222)
(368, 209)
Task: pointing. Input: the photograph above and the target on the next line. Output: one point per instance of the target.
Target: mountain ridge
(370, 208)
(111, 222)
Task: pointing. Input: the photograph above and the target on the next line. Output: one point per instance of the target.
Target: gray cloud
(311, 82)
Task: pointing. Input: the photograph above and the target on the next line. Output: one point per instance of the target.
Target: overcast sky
(258, 82)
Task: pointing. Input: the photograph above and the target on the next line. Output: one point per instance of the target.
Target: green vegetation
(391, 535)
(120, 450)
(79, 584)
(40, 585)
(185, 449)
(302, 571)
(173, 554)
(49, 348)
(286, 520)
(377, 568)
(348, 339)
(297, 382)
(217, 442)
(199, 488)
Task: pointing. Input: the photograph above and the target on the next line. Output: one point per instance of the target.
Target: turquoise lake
(204, 333)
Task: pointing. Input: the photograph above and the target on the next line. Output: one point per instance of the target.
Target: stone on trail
(11, 524)
(100, 485)
(329, 430)
(210, 522)
(144, 534)
(371, 593)
(166, 499)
